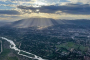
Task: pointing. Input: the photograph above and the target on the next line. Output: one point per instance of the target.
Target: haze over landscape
(44, 30)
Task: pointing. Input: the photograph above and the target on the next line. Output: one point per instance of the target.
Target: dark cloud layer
(71, 9)
(9, 12)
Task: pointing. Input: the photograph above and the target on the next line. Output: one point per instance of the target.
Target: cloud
(44, 2)
(9, 12)
(70, 9)
(45, 8)
(77, 9)
(80, 1)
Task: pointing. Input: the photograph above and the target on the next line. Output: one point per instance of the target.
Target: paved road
(1, 47)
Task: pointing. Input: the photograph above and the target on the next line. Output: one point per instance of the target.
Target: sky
(11, 10)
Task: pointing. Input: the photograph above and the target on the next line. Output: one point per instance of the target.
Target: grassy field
(70, 45)
(4, 54)
(12, 58)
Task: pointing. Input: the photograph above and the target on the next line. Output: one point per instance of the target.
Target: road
(1, 47)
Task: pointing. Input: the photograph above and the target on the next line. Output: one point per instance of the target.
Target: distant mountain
(46, 22)
(3, 23)
(34, 22)
(78, 22)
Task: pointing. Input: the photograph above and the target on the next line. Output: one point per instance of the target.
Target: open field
(70, 45)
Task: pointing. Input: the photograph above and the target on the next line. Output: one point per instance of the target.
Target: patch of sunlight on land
(69, 45)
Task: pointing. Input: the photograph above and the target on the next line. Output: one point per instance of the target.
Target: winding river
(13, 46)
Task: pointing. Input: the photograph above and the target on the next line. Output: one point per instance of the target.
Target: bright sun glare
(40, 3)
